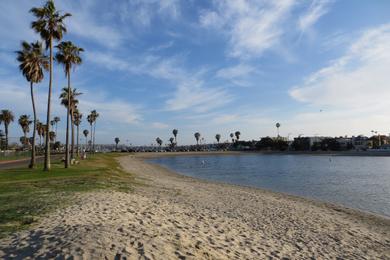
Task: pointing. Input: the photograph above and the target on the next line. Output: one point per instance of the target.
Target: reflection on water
(352, 181)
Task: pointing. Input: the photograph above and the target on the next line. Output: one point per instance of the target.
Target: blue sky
(317, 67)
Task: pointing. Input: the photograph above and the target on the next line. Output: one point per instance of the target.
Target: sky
(318, 67)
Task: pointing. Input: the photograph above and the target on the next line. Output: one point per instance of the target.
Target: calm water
(352, 181)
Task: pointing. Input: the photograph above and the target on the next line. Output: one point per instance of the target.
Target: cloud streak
(317, 9)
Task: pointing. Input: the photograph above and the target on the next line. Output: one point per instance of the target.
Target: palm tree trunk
(72, 141)
(86, 144)
(55, 138)
(6, 135)
(90, 145)
(67, 125)
(77, 144)
(32, 162)
(94, 133)
(47, 143)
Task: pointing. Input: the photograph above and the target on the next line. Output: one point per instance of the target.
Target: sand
(177, 217)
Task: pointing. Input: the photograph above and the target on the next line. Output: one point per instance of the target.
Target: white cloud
(240, 70)
(162, 46)
(87, 23)
(354, 87)
(159, 125)
(143, 12)
(360, 77)
(191, 90)
(317, 9)
(252, 26)
(239, 74)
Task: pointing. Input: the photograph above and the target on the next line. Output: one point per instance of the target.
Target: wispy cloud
(159, 125)
(352, 87)
(144, 12)
(191, 90)
(317, 9)
(162, 46)
(87, 22)
(252, 26)
(238, 74)
(359, 77)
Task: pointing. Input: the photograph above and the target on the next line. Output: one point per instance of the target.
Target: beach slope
(171, 216)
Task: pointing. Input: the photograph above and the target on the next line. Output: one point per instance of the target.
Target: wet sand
(177, 217)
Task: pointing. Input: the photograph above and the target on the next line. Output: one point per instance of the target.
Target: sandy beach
(171, 216)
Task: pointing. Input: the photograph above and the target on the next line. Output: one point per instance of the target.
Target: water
(352, 181)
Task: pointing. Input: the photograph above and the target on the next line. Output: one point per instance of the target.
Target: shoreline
(330, 205)
(149, 156)
(171, 216)
(313, 153)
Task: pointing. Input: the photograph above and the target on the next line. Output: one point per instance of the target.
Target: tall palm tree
(85, 133)
(116, 143)
(175, 132)
(218, 137)
(197, 136)
(90, 121)
(69, 56)
(77, 121)
(68, 96)
(32, 63)
(25, 122)
(237, 134)
(50, 26)
(56, 120)
(6, 117)
(94, 116)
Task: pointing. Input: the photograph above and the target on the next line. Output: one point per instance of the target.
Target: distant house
(345, 143)
(361, 142)
(306, 143)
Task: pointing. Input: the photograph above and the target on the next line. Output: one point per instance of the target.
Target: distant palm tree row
(33, 62)
(197, 135)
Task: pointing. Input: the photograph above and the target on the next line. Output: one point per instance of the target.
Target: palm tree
(39, 129)
(197, 136)
(237, 134)
(90, 121)
(50, 26)
(25, 122)
(159, 141)
(218, 137)
(56, 120)
(277, 127)
(77, 121)
(86, 132)
(6, 117)
(69, 56)
(171, 141)
(175, 132)
(232, 137)
(32, 63)
(68, 96)
(95, 116)
(116, 143)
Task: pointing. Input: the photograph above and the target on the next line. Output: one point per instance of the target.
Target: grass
(27, 194)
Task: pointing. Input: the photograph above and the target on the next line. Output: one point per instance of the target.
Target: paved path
(23, 162)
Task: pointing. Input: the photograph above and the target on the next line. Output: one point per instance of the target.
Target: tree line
(34, 62)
